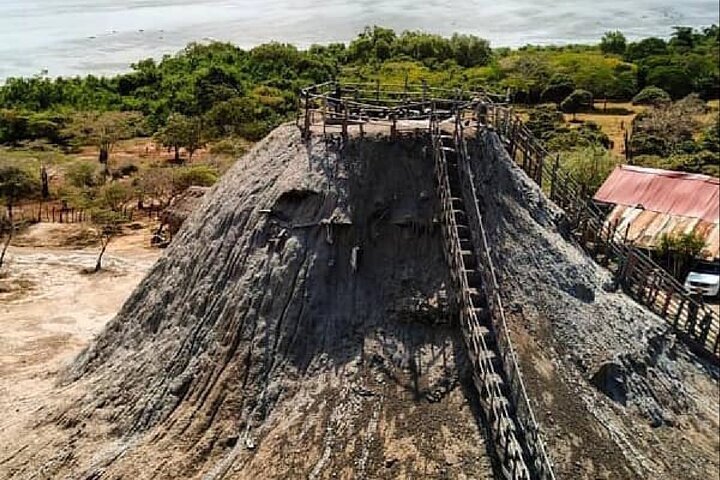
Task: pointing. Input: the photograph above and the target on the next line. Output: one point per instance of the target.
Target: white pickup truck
(704, 278)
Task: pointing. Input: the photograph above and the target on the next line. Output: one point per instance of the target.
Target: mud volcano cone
(298, 327)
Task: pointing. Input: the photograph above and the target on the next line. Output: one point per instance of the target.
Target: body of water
(70, 37)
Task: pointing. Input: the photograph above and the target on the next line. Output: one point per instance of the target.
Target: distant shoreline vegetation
(246, 93)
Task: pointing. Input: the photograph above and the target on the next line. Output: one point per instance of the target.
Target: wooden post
(345, 125)
(553, 179)
(705, 327)
(324, 116)
(405, 87)
(541, 162)
(306, 131)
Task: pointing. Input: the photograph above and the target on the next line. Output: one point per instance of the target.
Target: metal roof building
(652, 202)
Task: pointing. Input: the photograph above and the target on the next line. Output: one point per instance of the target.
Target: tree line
(231, 91)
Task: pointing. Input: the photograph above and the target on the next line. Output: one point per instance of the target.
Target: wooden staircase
(520, 456)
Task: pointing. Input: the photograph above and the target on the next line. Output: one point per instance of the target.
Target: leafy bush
(544, 120)
(651, 96)
(17, 184)
(82, 174)
(114, 196)
(590, 166)
(559, 87)
(648, 144)
(613, 43)
(577, 101)
(679, 251)
(125, 170)
(589, 134)
(196, 175)
(228, 146)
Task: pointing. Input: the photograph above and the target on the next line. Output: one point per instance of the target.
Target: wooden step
(460, 215)
(474, 278)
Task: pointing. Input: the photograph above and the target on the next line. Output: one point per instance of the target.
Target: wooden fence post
(553, 178)
(539, 167)
(306, 131)
(345, 125)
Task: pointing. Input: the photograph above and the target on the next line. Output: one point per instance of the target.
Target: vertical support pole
(324, 116)
(345, 125)
(540, 165)
(405, 87)
(377, 90)
(553, 180)
(306, 131)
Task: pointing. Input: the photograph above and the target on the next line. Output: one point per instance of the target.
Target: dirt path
(49, 310)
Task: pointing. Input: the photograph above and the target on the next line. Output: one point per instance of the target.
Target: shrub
(613, 43)
(196, 175)
(577, 101)
(114, 195)
(588, 134)
(228, 146)
(648, 144)
(82, 174)
(651, 96)
(679, 250)
(590, 166)
(125, 171)
(544, 120)
(559, 87)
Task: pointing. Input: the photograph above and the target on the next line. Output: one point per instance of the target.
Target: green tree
(613, 43)
(181, 132)
(103, 130)
(108, 226)
(577, 101)
(645, 48)
(680, 250)
(590, 166)
(559, 87)
(651, 96)
(114, 196)
(196, 175)
(674, 79)
(15, 185)
(82, 174)
(470, 51)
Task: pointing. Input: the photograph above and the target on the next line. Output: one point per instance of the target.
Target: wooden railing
(517, 444)
(639, 276)
(336, 108)
(331, 108)
(524, 415)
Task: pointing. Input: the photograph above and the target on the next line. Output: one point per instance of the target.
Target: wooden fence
(638, 274)
(332, 108)
(56, 213)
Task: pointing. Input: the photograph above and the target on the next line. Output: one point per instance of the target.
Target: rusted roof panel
(646, 228)
(663, 191)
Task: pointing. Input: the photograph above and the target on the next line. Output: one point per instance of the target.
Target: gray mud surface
(298, 327)
(617, 395)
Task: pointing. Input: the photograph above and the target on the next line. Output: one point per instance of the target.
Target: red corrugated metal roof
(663, 191)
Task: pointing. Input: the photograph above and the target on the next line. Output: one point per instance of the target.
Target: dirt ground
(614, 121)
(49, 310)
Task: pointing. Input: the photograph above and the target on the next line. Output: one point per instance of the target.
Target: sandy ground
(49, 310)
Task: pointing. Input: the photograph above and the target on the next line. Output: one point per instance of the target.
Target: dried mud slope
(618, 397)
(296, 328)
